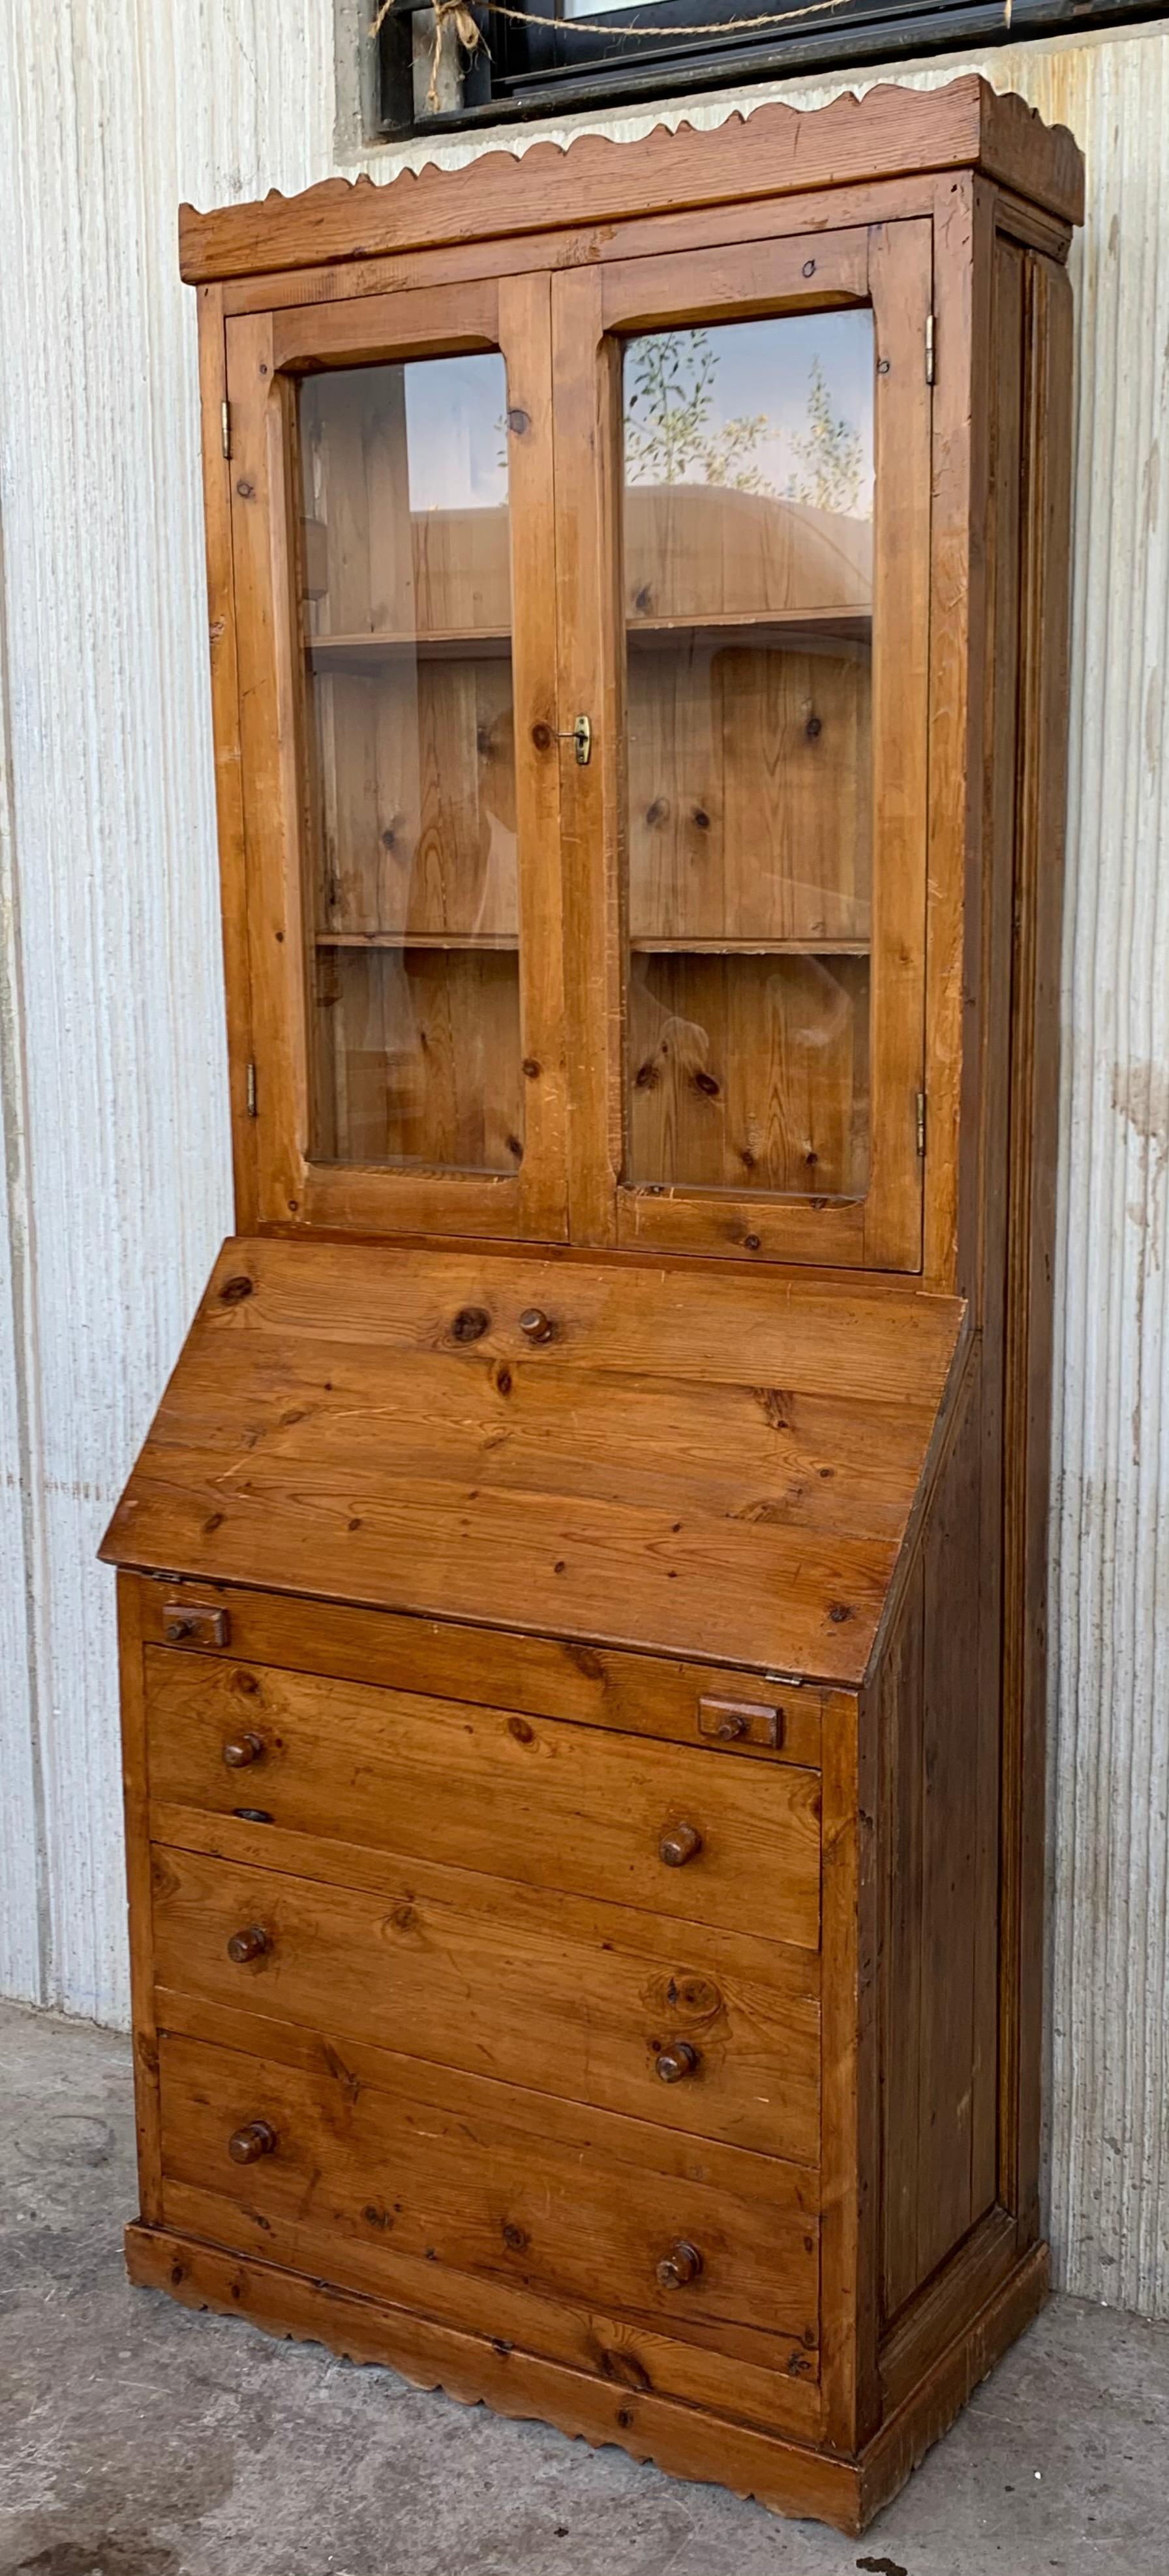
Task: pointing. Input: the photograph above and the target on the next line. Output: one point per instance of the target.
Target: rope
(470, 36)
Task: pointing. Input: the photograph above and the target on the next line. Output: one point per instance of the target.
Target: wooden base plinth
(784, 2475)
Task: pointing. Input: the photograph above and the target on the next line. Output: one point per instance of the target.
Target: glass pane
(748, 606)
(407, 620)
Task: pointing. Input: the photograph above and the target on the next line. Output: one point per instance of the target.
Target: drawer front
(502, 2187)
(716, 2035)
(593, 1685)
(635, 1822)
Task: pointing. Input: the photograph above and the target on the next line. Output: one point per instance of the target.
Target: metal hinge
(930, 368)
(225, 426)
(250, 1089)
(921, 1122)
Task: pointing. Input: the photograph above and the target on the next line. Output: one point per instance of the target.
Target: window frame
(524, 72)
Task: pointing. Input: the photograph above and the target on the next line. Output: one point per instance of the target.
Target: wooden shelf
(493, 643)
(796, 627)
(688, 947)
(450, 644)
(506, 940)
(475, 939)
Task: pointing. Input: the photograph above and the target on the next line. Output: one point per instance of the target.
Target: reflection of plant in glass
(828, 452)
(668, 432)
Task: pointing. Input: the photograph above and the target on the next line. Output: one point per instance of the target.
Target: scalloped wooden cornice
(770, 151)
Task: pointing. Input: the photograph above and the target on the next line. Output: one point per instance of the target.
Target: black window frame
(537, 70)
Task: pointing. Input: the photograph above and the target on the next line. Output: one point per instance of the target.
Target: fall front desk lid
(695, 1464)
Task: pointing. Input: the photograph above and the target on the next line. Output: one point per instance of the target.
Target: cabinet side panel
(900, 1729)
(1000, 648)
(959, 1820)
(1034, 1118)
(963, 1691)
(136, 1792)
(939, 1805)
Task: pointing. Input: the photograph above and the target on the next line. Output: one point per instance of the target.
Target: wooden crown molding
(772, 150)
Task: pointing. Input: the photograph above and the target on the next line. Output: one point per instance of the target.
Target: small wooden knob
(245, 2146)
(242, 1749)
(679, 1844)
(537, 1326)
(673, 2063)
(248, 1944)
(681, 2265)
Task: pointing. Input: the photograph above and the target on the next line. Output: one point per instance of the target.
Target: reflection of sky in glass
(455, 431)
(765, 367)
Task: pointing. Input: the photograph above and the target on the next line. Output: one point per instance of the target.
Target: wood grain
(750, 1073)
(478, 1538)
(590, 1685)
(235, 1481)
(221, 616)
(778, 148)
(552, 1806)
(136, 1799)
(682, 2440)
(1033, 1143)
(902, 1960)
(590, 681)
(682, 230)
(484, 2179)
(449, 1966)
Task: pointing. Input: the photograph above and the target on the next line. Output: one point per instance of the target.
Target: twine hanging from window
(457, 13)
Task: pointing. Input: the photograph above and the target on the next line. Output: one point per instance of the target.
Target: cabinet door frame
(888, 267)
(266, 354)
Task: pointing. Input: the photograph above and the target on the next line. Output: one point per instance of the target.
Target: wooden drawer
(592, 1685)
(529, 1799)
(512, 2190)
(594, 2003)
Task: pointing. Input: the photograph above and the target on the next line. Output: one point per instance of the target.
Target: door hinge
(930, 365)
(250, 1089)
(920, 1104)
(225, 427)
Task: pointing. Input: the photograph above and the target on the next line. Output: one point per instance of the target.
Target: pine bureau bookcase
(582, 1595)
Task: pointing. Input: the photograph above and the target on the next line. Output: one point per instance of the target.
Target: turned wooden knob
(248, 1944)
(242, 1749)
(254, 2140)
(681, 2265)
(673, 2063)
(679, 1844)
(536, 1325)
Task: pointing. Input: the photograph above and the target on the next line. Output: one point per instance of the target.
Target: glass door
(391, 466)
(761, 816)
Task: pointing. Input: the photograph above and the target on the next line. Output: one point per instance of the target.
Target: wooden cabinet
(582, 1594)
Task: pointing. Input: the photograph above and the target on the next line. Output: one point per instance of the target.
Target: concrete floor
(138, 2440)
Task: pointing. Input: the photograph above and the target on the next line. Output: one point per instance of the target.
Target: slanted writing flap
(684, 1462)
